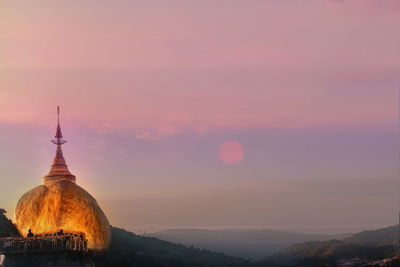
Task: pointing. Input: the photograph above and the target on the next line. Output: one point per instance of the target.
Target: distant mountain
(384, 236)
(245, 243)
(370, 245)
(128, 249)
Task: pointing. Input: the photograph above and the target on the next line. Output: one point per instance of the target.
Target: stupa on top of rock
(60, 204)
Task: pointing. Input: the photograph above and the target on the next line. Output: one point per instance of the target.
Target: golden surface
(63, 205)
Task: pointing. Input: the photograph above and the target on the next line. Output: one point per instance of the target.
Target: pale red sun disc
(230, 152)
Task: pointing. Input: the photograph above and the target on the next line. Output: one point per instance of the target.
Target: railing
(43, 244)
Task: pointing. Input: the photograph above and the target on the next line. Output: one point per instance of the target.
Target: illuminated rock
(61, 204)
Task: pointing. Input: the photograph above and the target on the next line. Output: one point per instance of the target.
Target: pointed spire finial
(58, 137)
(59, 170)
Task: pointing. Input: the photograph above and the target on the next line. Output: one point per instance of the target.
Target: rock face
(63, 205)
(60, 204)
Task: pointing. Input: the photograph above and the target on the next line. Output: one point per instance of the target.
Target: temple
(60, 204)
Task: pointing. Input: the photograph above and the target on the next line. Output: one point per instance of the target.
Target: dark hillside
(328, 253)
(367, 245)
(384, 236)
(128, 249)
(7, 228)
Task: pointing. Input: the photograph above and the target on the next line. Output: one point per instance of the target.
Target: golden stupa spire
(59, 169)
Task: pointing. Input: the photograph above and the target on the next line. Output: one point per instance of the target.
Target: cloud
(150, 136)
(386, 4)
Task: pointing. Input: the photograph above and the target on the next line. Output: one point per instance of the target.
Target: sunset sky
(208, 113)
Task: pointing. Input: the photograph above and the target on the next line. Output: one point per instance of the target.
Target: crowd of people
(55, 241)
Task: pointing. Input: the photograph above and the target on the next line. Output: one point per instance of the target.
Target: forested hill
(384, 236)
(7, 228)
(128, 249)
(367, 245)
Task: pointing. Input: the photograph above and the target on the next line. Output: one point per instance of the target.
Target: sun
(231, 152)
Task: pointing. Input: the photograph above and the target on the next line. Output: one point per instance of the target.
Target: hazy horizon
(150, 91)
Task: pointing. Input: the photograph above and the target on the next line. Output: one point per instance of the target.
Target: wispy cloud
(150, 136)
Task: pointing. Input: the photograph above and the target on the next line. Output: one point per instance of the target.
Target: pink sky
(159, 85)
(209, 64)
